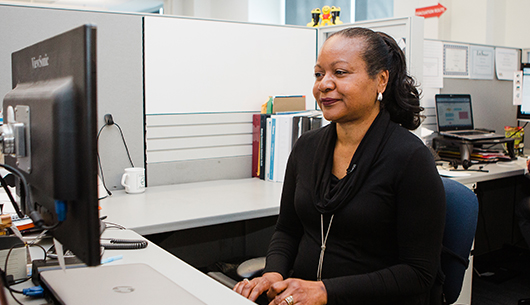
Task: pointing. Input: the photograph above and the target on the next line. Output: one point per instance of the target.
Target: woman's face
(343, 89)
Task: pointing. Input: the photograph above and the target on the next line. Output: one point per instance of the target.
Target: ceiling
(110, 5)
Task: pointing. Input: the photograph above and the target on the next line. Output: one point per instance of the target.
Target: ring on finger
(289, 300)
(246, 280)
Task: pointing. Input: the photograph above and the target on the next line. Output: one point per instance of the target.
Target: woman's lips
(328, 101)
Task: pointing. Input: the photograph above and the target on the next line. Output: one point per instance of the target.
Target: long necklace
(323, 246)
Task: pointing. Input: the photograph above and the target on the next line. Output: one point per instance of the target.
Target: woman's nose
(326, 84)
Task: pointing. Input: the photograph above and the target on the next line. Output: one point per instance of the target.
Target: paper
(506, 63)
(456, 60)
(60, 253)
(482, 62)
(433, 64)
(451, 174)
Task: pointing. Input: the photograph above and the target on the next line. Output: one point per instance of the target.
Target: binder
(256, 129)
(269, 171)
(263, 144)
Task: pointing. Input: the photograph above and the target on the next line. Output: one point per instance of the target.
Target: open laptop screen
(453, 112)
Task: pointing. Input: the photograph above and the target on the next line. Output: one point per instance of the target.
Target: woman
(363, 207)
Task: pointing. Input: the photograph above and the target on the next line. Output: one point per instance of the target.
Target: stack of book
(274, 136)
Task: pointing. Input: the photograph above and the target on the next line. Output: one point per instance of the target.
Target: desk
(185, 206)
(199, 284)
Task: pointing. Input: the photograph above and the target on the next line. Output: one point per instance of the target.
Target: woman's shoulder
(404, 135)
(404, 142)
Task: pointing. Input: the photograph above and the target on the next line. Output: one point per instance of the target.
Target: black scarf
(327, 199)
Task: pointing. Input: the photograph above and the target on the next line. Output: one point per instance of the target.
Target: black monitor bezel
(70, 54)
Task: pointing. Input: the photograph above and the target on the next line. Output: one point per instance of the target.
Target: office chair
(460, 225)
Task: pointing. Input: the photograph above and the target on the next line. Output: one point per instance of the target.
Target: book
(269, 147)
(281, 132)
(288, 103)
(305, 121)
(262, 145)
(256, 129)
(283, 145)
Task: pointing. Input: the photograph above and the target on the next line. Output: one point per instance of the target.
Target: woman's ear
(383, 80)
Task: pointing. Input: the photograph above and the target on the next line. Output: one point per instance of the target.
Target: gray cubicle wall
(492, 101)
(120, 72)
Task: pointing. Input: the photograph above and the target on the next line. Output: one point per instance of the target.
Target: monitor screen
(54, 100)
(453, 111)
(523, 111)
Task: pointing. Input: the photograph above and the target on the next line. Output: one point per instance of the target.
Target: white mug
(134, 180)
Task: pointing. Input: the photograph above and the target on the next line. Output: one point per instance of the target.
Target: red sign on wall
(431, 11)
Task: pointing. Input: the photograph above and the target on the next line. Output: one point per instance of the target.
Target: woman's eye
(339, 72)
(318, 74)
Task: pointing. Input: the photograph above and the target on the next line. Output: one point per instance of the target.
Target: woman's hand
(254, 288)
(295, 291)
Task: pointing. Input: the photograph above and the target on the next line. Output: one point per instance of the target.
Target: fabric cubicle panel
(120, 76)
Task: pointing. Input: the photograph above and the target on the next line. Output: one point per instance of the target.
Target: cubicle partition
(203, 81)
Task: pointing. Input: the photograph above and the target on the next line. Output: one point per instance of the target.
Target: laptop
(132, 284)
(454, 117)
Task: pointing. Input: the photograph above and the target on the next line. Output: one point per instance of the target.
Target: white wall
(259, 11)
(491, 22)
(270, 11)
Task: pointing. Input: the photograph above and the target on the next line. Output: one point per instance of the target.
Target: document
(456, 60)
(433, 64)
(482, 62)
(506, 63)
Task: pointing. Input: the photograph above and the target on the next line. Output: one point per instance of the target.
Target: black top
(385, 242)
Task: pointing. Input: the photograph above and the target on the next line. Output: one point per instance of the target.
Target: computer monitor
(523, 110)
(53, 111)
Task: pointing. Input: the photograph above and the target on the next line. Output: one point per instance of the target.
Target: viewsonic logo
(40, 62)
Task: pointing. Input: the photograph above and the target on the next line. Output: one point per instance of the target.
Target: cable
(99, 162)
(108, 122)
(124, 244)
(125, 144)
(13, 202)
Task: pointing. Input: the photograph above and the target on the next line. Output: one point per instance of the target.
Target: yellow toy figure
(315, 18)
(335, 12)
(326, 16)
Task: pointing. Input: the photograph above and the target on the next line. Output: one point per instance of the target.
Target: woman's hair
(381, 52)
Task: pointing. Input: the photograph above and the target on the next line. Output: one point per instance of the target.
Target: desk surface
(202, 286)
(182, 206)
(495, 171)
